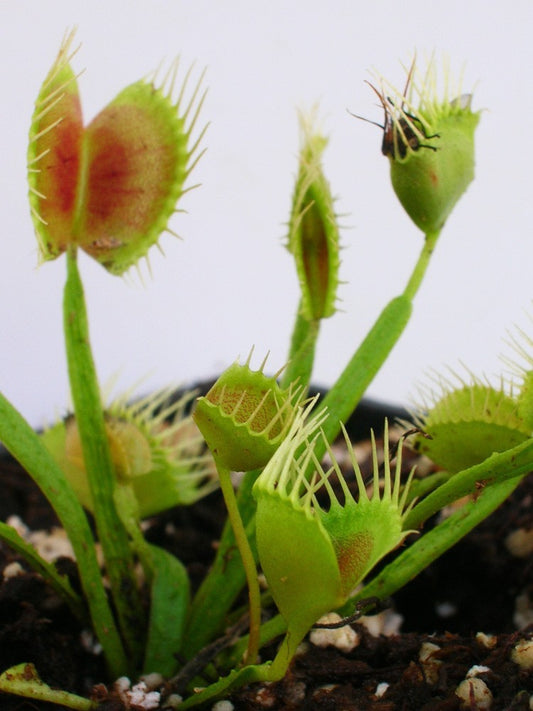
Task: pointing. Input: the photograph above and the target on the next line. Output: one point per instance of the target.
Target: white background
(230, 283)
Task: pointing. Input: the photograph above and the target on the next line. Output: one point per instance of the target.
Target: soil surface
(460, 621)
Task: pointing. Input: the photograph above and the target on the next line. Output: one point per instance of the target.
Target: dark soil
(472, 589)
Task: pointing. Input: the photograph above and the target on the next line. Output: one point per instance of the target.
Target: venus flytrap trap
(122, 177)
(468, 419)
(313, 237)
(476, 417)
(314, 241)
(245, 416)
(109, 188)
(430, 144)
(154, 445)
(315, 556)
(439, 165)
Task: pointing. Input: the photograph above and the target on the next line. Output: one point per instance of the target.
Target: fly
(401, 129)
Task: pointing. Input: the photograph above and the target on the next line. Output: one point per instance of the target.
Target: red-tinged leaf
(54, 156)
(137, 160)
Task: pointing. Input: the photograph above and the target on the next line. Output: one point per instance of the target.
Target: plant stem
(234, 680)
(272, 628)
(222, 585)
(497, 468)
(302, 352)
(100, 473)
(419, 488)
(25, 445)
(422, 264)
(342, 399)
(248, 561)
(346, 393)
(269, 671)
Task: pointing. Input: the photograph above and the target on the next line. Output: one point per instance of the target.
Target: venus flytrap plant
(345, 394)
(313, 239)
(109, 188)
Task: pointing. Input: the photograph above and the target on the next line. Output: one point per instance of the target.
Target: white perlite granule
(477, 669)
(520, 542)
(381, 688)
(138, 696)
(343, 638)
(474, 693)
(487, 640)
(385, 623)
(12, 570)
(49, 544)
(522, 654)
(429, 661)
(223, 706)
